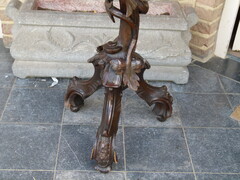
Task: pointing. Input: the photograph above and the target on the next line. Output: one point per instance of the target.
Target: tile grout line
(59, 142)
(124, 149)
(175, 172)
(217, 73)
(189, 154)
(5, 106)
(224, 90)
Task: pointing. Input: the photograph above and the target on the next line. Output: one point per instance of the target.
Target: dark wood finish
(118, 66)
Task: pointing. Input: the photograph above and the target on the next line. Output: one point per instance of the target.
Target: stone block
(203, 41)
(7, 28)
(7, 41)
(208, 14)
(3, 16)
(211, 3)
(53, 43)
(202, 52)
(206, 28)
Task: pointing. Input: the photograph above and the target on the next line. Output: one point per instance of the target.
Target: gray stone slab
(76, 45)
(218, 176)
(58, 44)
(156, 149)
(136, 112)
(200, 81)
(98, 20)
(205, 110)
(35, 106)
(75, 175)
(26, 175)
(28, 146)
(229, 85)
(76, 147)
(4, 93)
(214, 150)
(158, 176)
(41, 83)
(25, 69)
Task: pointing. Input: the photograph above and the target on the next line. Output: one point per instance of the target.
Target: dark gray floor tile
(218, 176)
(4, 93)
(235, 100)
(5, 67)
(226, 67)
(156, 149)
(6, 57)
(6, 80)
(76, 147)
(214, 150)
(35, 106)
(205, 110)
(28, 146)
(136, 112)
(2, 48)
(26, 175)
(200, 81)
(229, 85)
(41, 83)
(159, 176)
(75, 175)
(90, 113)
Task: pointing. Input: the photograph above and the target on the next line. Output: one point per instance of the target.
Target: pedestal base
(104, 149)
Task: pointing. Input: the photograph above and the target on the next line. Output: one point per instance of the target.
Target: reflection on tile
(26, 175)
(90, 113)
(218, 176)
(76, 147)
(226, 67)
(205, 110)
(214, 150)
(159, 176)
(6, 80)
(156, 149)
(229, 85)
(35, 106)
(41, 83)
(200, 81)
(75, 175)
(136, 112)
(28, 146)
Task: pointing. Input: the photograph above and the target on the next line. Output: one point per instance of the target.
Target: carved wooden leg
(158, 96)
(104, 149)
(78, 90)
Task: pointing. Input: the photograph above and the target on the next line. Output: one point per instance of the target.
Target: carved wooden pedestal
(117, 67)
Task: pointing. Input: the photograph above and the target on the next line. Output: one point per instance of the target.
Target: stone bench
(58, 43)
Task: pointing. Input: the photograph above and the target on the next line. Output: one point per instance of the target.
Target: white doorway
(226, 27)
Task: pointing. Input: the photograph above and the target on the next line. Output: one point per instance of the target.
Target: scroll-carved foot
(103, 151)
(157, 96)
(78, 90)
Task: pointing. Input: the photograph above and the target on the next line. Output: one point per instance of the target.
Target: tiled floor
(40, 140)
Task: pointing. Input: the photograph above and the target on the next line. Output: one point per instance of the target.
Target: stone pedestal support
(53, 43)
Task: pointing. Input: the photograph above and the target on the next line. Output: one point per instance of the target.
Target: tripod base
(109, 73)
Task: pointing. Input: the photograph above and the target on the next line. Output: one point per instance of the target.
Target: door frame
(226, 26)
